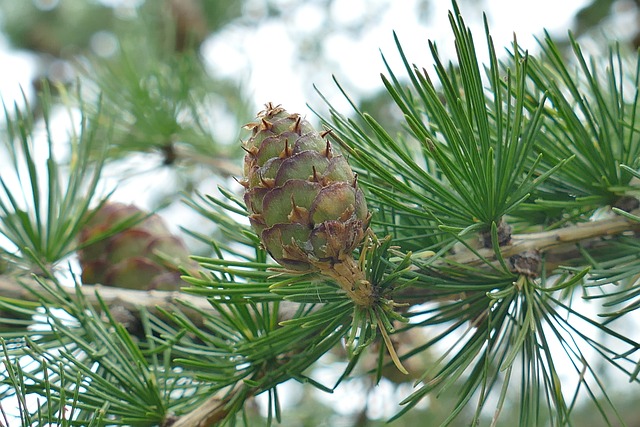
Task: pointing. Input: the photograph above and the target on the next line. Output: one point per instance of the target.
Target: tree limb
(211, 411)
(553, 241)
(131, 300)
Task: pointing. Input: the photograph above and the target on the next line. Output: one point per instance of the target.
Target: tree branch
(553, 242)
(211, 411)
(128, 300)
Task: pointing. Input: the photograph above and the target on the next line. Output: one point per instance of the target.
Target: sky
(357, 60)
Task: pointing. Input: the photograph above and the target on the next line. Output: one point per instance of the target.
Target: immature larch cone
(303, 200)
(139, 257)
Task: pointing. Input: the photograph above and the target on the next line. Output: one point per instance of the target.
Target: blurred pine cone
(143, 256)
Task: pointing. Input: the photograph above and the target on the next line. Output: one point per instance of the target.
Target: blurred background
(183, 76)
(276, 50)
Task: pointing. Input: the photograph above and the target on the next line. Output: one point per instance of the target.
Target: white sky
(359, 61)
(247, 53)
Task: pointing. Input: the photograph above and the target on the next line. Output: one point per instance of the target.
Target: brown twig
(131, 300)
(25, 288)
(211, 411)
(551, 242)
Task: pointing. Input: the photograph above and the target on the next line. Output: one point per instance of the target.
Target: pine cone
(303, 199)
(135, 258)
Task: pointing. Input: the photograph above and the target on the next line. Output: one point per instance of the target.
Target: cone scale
(304, 202)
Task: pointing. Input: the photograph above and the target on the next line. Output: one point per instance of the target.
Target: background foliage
(505, 199)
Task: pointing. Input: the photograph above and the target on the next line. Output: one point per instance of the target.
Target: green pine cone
(135, 258)
(303, 199)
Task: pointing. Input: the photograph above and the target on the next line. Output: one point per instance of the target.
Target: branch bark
(553, 242)
(129, 300)
(212, 411)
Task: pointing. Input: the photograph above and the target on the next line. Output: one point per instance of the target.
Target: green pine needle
(44, 205)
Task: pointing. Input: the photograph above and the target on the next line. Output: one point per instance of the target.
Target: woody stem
(352, 280)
